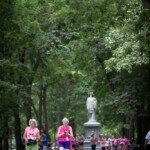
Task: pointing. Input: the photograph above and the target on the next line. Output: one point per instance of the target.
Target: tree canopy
(54, 52)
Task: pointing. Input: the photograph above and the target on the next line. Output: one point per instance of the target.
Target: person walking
(93, 141)
(113, 141)
(103, 143)
(65, 134)
(125, 143)
(80, 139)
(107, 144)
(110, 143)
(41, 143)
(120, 143)
(115, 144)
(147, 141)
(44, 140)
(31, 135)
(75, 144)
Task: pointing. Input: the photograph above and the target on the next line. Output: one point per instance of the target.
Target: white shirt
(148, 137)
(107, 143)
(110, 141)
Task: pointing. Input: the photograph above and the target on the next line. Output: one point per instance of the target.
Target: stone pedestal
(89, 128)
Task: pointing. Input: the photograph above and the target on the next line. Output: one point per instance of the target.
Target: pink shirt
(64, 137)
(31, 133)
(80, 138)
(113, 140)
(120, 142)
(103, 142)
(76, 143)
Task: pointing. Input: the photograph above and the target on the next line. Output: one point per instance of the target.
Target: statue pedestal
(89, 127)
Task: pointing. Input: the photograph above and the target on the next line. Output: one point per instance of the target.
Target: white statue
(91, 104)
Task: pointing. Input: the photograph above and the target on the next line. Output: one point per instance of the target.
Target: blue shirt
(45, 143)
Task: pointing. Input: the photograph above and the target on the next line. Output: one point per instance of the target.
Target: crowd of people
(66, 139)
(121, 143)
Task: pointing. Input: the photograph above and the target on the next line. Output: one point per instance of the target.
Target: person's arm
(71, 133)
(83, 138)
(25, 137)
(38, 136)
(77, 139)
(59, 135)
(43, 139)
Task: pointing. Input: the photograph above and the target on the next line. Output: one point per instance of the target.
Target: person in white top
(147, 141)
(110, 142)
(107, 144)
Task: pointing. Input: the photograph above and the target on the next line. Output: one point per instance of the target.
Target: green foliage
(128, 40)
(79, 46)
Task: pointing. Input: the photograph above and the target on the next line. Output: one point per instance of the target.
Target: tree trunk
(6, 131)
(55, 130)
(36, 113)
(10, 138)
(29, 99)
(45, 111)
(123, 132)
(148, 67)
(127, 129)
(139, 130)
(1, 142)
(1, 130)
(107, 74)
(40, 102)
(29, 104)
(17, 128)
(146, 3)
(132, 120)
(19, 144)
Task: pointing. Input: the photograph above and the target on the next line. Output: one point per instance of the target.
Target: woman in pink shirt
(31, 135)
(112, 142)
(120, 143)
(103, 143)
(75, 144)
(65, 134)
